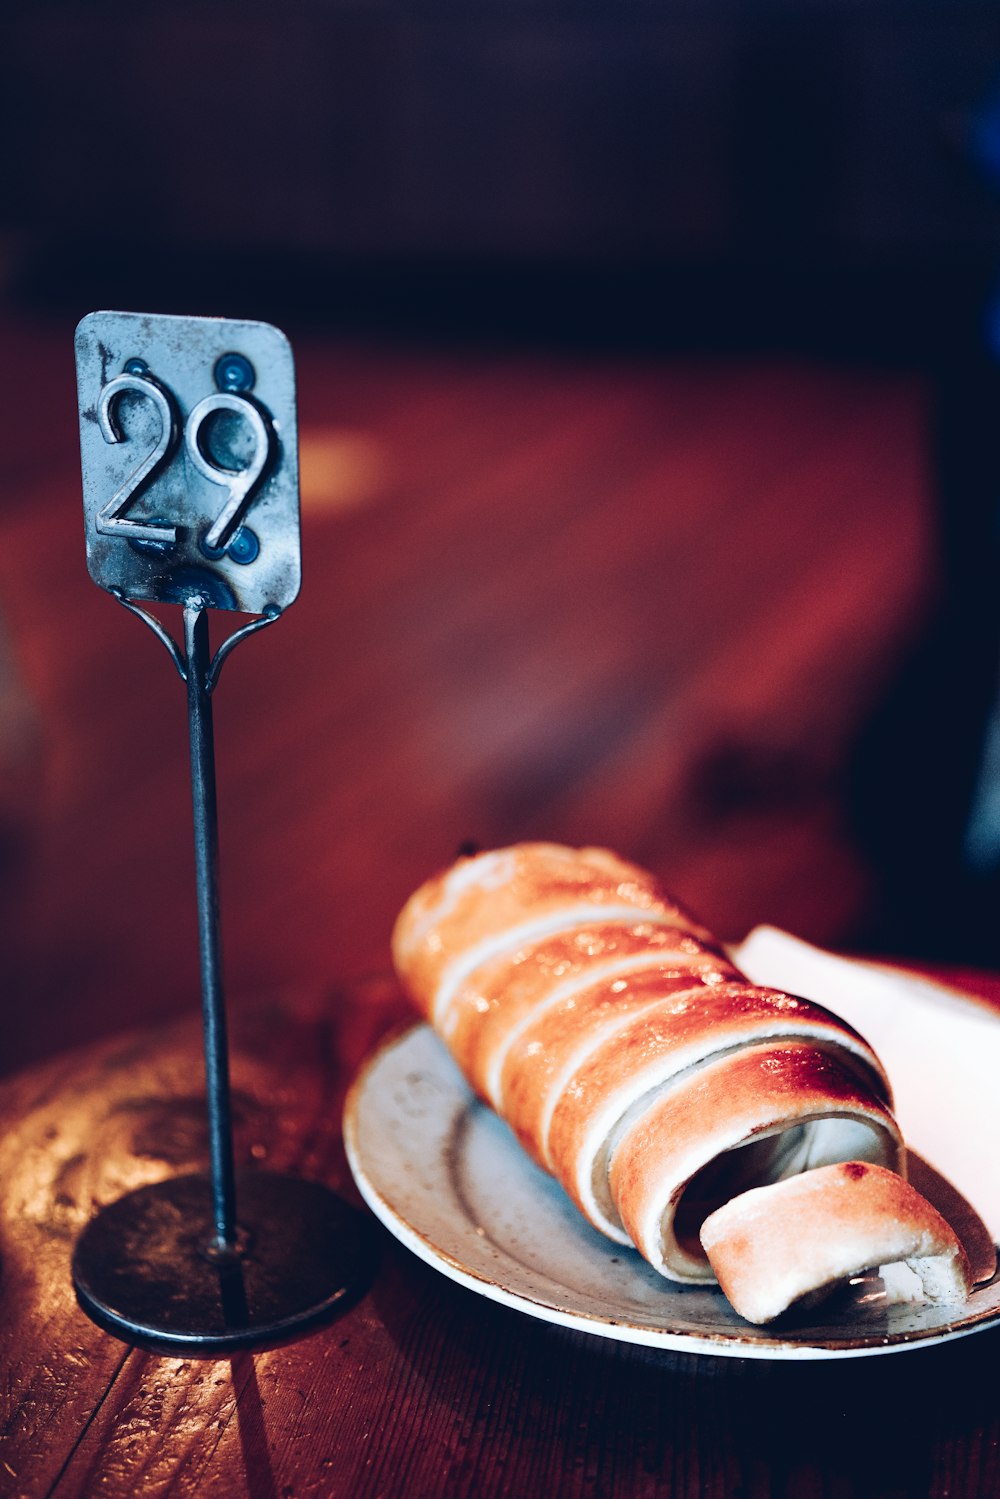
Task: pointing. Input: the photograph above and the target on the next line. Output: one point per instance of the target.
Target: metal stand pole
(187, 434)
(206, 853)
(181, 1264)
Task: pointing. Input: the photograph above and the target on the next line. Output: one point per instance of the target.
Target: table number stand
(202, 1263)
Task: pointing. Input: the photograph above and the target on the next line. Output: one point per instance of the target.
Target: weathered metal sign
(190, 459)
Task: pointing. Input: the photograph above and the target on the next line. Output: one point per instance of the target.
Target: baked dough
(776, 1246)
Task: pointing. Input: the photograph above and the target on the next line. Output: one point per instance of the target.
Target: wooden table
(418, 1387)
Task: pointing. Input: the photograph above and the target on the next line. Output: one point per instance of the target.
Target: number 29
(113, 518)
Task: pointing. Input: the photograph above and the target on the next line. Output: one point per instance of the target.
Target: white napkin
(940, 1048)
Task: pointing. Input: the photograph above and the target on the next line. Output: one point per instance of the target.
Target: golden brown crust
(504, 994)
(788, 1094)
(656, 1047)
(775, 1245)
(549, 1052)
(502, 891)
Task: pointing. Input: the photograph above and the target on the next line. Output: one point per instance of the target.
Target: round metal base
(144, 1268)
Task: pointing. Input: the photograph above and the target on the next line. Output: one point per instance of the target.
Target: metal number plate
(190, 461)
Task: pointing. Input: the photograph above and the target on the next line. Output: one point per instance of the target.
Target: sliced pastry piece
(790, 1243)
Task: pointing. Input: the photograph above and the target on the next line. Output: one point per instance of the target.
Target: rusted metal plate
(190, 463)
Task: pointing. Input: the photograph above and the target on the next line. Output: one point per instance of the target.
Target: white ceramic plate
(447, 1177)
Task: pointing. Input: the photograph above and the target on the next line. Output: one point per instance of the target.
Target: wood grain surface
(419, 1387)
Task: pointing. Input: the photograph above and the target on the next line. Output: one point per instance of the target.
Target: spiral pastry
(629, 1056)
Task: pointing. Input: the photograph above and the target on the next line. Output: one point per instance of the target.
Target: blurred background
(648, 411)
